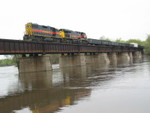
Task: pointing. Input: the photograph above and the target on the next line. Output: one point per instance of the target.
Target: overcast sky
(114, 19)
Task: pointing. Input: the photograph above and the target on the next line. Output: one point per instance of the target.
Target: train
(35, 32)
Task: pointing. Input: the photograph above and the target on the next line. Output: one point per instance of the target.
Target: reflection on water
(92, 88)
(38, 80)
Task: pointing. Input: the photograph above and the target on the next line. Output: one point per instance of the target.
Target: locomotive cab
(62, 34)
(28, 29)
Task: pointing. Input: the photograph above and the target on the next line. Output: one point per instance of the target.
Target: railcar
(94, 41)
(114, 44)
(140, 47)
(102, 42)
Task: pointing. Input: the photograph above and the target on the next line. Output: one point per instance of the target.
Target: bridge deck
(27, 47)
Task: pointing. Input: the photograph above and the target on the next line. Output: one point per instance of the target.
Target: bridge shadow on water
(48, 92)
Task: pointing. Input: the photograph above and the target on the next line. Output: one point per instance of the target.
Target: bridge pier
(137, 55)
(83, 59)
(37, 63)
(72, 60)
(103, 59)
(113, 58)
(131, 57)
(123, 58)
(34, 64)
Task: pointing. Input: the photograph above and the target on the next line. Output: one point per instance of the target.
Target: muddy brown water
(79, 89)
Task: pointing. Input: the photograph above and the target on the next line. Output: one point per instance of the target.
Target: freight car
(35, 32)
(108, 43)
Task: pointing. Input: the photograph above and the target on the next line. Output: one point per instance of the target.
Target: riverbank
(7, 62)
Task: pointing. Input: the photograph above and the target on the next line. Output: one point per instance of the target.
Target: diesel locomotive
(35, 32)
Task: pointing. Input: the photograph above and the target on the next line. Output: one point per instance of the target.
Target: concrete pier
(137, 55)
(43, 63)
(123, 58)
(102, 59)
(83, 59)
(131, 57)
(34, 64)
(72, 60)
(113, 59)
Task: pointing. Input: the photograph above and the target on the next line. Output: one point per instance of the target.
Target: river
(78, 89)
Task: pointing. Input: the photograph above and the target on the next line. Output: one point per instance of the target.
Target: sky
(114, 19)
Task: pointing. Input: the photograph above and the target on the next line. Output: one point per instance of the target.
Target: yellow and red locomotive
(35, 32)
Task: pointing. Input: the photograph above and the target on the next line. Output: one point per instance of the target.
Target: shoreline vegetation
(7, 62)
(12, 59)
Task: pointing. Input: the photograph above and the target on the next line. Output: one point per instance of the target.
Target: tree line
(145, 43)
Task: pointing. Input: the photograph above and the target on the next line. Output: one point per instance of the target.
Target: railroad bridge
(35, 54)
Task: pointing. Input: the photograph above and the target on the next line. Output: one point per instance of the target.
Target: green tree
(104, 38)
(147, 45)
(119, 40)
(139, 42)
